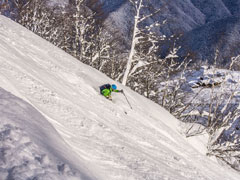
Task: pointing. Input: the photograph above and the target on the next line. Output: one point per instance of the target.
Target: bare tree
(4, 5)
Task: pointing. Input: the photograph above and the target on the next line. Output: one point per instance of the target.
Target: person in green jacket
(107, 89)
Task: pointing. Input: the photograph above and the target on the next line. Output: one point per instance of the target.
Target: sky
(61, 127)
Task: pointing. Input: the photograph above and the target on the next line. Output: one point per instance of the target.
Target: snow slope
(111, 140)
(30, 148)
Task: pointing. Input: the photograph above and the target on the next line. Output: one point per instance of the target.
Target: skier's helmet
(114, 86)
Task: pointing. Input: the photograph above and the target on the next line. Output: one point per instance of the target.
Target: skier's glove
(121, 90)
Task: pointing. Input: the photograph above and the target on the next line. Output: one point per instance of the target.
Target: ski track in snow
(124, 144)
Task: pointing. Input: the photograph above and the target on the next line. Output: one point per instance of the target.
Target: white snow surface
(60, 127)
(30, 148)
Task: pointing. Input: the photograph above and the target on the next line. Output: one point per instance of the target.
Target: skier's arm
(118, 90)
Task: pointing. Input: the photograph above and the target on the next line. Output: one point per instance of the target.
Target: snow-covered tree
(71, 27)
(84, 30)
(214, 109)
(37, 17)
(171, 93)
(104, 45)
(78, 26)
(137, 35)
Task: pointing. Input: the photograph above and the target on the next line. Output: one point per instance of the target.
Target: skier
(107, 89)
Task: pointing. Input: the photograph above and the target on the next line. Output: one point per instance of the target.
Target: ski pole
(127, 100)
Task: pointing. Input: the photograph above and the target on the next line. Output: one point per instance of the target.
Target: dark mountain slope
(233, 6)
(203, 42)
(213, 10)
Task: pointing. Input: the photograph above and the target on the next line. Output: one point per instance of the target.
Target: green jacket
(107, 92)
